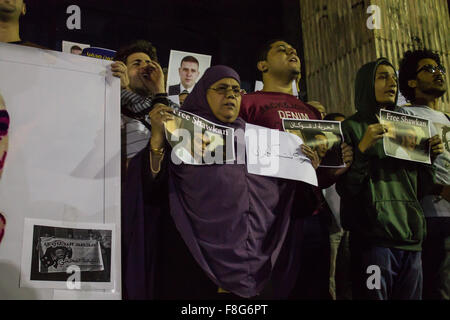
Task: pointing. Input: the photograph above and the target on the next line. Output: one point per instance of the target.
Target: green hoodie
(379, 193)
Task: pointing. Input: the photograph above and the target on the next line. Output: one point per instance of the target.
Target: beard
(430, 90)
(434, 92)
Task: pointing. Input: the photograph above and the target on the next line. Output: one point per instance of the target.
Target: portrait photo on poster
(55, 252)
(185, 69)
(323, 136)
(197, 141)
(73, 47)
(406, 137)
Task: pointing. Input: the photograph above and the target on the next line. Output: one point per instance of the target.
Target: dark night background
(231, 31)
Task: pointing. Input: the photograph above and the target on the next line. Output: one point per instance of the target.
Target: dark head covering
(233, 223)
(365, 101)
(196, 101)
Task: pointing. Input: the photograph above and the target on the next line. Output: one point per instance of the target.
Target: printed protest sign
(324, 137)
(406, 137)
(197, 141)
(52, 250)
(57, 254)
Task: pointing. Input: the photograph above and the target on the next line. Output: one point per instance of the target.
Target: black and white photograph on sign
(406, 137)
(57, 252)
(185, 69)
(73, 47)
(324, 137)
(197, 141)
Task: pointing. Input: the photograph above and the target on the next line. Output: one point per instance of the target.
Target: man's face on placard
(410, 139)
(76, 51)
(12, 9)
(321, 145)
(188, 74)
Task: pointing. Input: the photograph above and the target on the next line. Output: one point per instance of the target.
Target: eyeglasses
(432, 69)
(236, 91)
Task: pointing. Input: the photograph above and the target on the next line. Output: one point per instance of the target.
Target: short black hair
(332, 116)
(134, 47)
(263, 51)
(265, 48)
(408, 68)
(75, 47)
(189, 59)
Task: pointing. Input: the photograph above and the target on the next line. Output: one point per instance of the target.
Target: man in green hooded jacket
(379, 196)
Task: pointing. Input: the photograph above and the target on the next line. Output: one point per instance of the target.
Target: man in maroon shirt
(280, 66)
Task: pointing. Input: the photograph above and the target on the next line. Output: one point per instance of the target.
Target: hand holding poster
(324, 137)
(202, 141)
(443, 131)
(406, 137)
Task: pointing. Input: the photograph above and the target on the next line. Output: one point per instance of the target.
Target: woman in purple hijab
(221, 229)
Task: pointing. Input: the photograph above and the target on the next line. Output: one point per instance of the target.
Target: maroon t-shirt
(267, 109)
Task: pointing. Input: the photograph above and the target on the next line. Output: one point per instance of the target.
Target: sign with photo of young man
(197, 141)
(323, 136)
(406, 137)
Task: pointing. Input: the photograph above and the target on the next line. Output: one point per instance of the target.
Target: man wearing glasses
(423, 82)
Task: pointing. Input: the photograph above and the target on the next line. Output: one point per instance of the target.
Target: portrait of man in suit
(188, 72)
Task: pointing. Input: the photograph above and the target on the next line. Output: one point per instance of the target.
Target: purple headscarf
(234, 223)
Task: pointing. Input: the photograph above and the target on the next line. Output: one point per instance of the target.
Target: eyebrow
(224, 84)
(139, 60)
(387, 73)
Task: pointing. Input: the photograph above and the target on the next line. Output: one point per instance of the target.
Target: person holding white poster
(380, 195)
(217, 231)
(279, 66)
(423, 83)
(142, 86)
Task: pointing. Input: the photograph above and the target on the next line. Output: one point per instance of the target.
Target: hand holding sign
(436, 146)
(158, 116)
(312, 155)
(120, 70)
(374, 132)
(347, 154)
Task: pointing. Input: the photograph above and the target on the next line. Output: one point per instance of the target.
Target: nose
(392, 81)
(292, 51)
(230, 94)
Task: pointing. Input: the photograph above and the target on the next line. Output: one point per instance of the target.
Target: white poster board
(63, 161)
(275, 153)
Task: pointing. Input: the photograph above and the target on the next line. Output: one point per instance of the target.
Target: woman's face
(224, 99)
